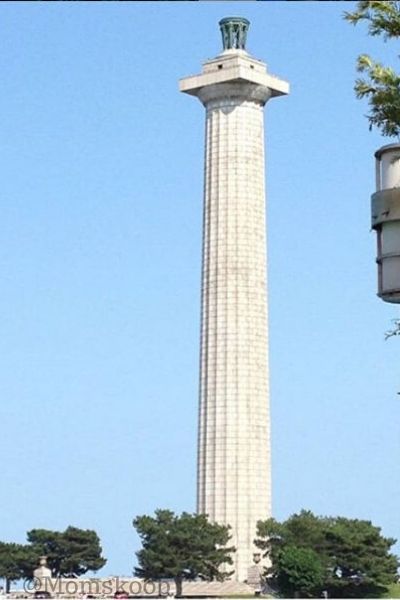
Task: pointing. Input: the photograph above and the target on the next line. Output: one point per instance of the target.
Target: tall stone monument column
(233, 478)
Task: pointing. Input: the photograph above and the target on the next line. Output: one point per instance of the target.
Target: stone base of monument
(137, 588)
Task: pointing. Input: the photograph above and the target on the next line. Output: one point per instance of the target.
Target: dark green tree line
(349, 558)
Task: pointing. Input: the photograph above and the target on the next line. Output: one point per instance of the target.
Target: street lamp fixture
(385, 218)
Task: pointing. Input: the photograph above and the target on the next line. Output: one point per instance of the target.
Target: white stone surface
(234, 466)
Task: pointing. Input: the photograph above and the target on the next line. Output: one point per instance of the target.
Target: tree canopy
(299, 571)
(346, 557)
(182, 547)
(16, 561)
(70, 553)
(381, 84)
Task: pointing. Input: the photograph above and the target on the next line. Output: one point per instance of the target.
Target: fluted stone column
(234, 467)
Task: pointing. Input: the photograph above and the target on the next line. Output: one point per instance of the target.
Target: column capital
(235, 92)
(235, 68)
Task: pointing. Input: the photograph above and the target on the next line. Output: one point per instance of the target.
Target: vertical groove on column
(226, 379)
(208, 398)
(203, 404)
(236, 356)
(215, 202)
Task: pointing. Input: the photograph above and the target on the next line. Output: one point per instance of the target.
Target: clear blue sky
(101, 206)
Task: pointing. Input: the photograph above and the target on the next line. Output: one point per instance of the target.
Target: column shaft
(234, 483)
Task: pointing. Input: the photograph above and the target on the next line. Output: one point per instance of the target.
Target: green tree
(15, 562)
(69, 553)
(299, 571)
(303, 530)
(181, 548)
(381, 84)
(354, 556)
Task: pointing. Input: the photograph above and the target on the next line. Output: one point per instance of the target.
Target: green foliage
(303, 530)
(15, 561)
(383, 18)
(354, 557)
(382, 89)
(299, 570)
(381, 86)
(69, 553)
(394, 591)
(182, 547)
